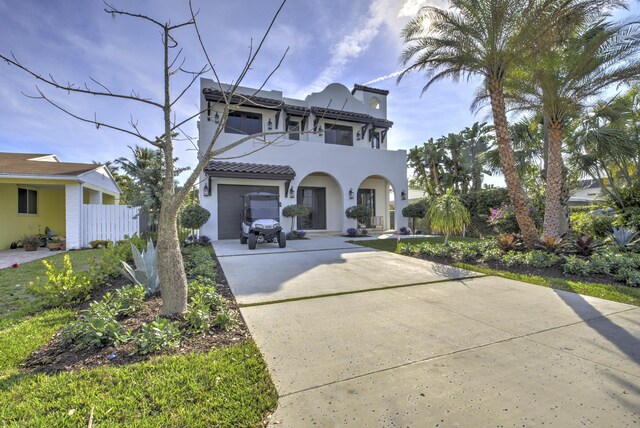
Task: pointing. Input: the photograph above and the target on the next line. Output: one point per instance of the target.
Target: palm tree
(478, 139)
(490, 38)
(563, 81)
(447, 214)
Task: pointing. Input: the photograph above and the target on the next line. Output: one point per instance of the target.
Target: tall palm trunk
(553, 198)
(514, 187)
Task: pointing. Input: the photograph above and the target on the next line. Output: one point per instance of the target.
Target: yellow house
(39, 191)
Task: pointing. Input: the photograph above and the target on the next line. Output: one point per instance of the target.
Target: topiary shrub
(360, 213)
(414, 211)
(293, 211)
(194, 217)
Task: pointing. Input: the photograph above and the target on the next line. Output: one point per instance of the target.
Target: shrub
(575, 266)
(146, 271)
(156, 335)
(99, 243)
(96, 327)
(479, 205)
(541, 259)
(599, 264)
(405, 230)
(492, 255)
(414, 211)
(62, 286)
(630, 217)
(514, 258)
(129, 299)
(352, 232)
(204, 240)
(596, 225)
(224, 320)
(112, 256)
(194, 217)
(503, 220)
(293, 211)
(198, 316)
(198, 262)
(204, 289)
(630, 276)
(360, 213)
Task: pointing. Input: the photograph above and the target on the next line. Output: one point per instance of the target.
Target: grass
(392, 244)
(615, 293)
(15, 299)
(226, 387)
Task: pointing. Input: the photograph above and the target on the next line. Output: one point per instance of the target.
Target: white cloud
(385, 77)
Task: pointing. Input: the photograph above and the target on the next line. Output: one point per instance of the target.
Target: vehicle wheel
(282, 239)
(243, 239)
(253, 239)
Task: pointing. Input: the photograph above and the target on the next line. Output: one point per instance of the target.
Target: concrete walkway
(434, 352)
(19, 255)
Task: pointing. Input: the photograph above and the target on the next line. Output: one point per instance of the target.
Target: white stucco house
(335, 155)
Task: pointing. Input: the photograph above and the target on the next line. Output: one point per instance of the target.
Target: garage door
(230, 207)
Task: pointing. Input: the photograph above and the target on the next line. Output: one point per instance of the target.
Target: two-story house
(328, 152)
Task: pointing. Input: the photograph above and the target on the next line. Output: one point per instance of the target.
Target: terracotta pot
(30, 247)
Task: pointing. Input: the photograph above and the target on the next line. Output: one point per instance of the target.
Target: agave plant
(553, 244)
(145, 272)
(510, 243)
(623, 237)
(585, 245)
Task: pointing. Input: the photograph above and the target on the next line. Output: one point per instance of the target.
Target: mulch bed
(57, 356)
(553, 271)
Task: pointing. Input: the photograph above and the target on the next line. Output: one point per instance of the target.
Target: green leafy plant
(630, 276)
(448, 215)
(585, 245)
(510, 243)
(62, 286)
(553, 244)
(541, 259)
(575, 266)
(514, 258)
(597, 225)
(205, 289)
(197, 262)
(293, 211)
(156, 335)
(198, 317)
(100, 243)
(96, 327)
(623, 237)
(360, 213)
(129, 299)
(224, 320)
(194, 217)
(145, 272)
(414, 211)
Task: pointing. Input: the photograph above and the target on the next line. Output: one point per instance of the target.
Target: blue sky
(354, 41)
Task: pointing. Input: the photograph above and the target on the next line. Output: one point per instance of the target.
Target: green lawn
(391, 244)
(615, 293)
(225, 387)
(15, 300)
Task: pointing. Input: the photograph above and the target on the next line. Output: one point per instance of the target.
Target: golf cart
(261, 220)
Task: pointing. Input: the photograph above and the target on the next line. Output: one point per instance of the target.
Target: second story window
(338, 134)
(240, 122)
(294, 130)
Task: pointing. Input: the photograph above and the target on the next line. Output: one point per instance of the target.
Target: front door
(367, 197)
(314, 198)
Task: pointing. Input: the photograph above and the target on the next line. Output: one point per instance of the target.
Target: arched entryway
(322, 194)
(374, 192)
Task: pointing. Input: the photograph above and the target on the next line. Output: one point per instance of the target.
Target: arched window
(374, 103)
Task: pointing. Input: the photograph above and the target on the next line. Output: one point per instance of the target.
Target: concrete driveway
(412, 343)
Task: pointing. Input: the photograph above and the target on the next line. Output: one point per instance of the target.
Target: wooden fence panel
(108, 222)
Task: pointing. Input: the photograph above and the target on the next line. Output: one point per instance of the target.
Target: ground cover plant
(74, 365)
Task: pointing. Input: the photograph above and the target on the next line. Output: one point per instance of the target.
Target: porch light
(403, 195)
(270, 125)
(292, 192)
(206, 191)
(320, 131)
(351, 195)
(216, 119)
(358, 136)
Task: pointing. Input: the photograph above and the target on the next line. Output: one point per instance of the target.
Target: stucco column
(73, 215)
(348, 223)
(400, 220)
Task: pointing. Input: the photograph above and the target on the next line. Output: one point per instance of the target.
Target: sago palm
(563, 81)
(448, 215)
(490, 38)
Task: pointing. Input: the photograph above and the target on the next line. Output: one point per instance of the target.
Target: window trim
(27, 189)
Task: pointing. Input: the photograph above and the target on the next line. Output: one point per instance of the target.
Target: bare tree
(173, 280)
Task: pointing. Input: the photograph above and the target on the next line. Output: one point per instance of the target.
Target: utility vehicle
(260, 220)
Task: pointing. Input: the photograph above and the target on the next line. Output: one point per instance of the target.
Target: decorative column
(73, 215)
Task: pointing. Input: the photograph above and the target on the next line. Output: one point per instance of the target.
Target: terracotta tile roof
(20, 163)
(250, 101)
(369, 89)
(328, 113)
(249, 170)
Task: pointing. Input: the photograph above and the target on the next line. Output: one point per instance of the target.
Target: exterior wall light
(216, 118)
(358, 136)
(403, 195)
(206, 191)
(292, 192)
(270, 125)
(351, 195)
(320, 131)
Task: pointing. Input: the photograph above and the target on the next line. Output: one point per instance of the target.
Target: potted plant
(57, 243)
(30, 242)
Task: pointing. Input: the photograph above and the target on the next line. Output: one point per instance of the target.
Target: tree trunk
(173, 280)
(507, 161)
(553, 197)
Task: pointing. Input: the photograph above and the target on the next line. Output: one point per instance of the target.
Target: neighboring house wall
(51, 213)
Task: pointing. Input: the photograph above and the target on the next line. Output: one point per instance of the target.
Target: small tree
(360, 213)
(194, 217)
(293, 211)
(415, 210)
(448, 215)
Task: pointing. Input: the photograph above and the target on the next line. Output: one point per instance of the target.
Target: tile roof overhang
(249, 170)
(349, 116)
(357, 87)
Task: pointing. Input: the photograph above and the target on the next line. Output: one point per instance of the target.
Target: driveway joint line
(460, 351)
(366, 250)
(366, 290)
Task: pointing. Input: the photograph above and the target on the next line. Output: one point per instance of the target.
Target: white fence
(108, 222)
